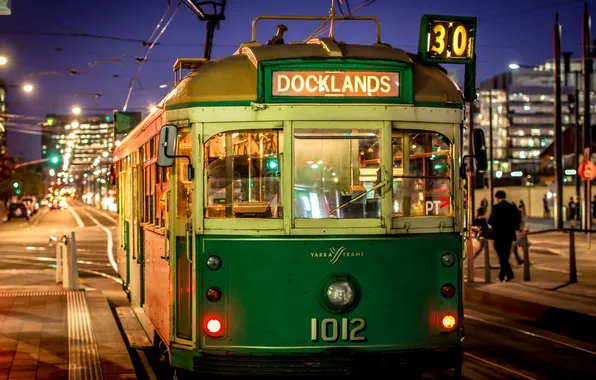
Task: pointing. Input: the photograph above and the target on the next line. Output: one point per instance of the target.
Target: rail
(67, 271)
(316, 18)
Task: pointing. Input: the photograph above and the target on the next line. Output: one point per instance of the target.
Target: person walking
(504, 220)
(546, 208)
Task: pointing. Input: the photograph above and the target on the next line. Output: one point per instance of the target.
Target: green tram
(298, 209)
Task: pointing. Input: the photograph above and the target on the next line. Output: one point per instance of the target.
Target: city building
(523, 111)
(84, 144)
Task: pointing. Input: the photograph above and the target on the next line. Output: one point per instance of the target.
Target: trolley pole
(558, 127)
(587, 130)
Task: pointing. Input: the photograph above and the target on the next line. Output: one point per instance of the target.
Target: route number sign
(587, 170)
(447, 39)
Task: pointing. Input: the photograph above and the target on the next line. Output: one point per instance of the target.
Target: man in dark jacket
(504, 220)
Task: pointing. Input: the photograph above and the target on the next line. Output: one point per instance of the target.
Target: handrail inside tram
(316, 18)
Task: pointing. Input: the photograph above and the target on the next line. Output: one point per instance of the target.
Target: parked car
(19, 210)
(32, 202)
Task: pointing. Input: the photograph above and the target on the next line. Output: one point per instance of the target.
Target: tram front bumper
(329, 363)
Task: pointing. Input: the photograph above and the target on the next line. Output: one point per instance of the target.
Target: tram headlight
(214, 262)
(448, 259)
(340, 293)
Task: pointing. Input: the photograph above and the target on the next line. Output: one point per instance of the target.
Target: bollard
(58, 263)
(486, 262)
(526, 248)
(70, 272)
(572, 264)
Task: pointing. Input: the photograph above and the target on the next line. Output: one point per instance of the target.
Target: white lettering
(360, 84)
(310, 88)
(437, 203)
(286, 83)
(333, 87)
(295, 80)
(385, 84)
(323, 83)
(348, 85)
(372, 89)
(429, 207)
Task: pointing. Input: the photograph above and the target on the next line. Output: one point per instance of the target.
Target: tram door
(183, 276)
(135, 258)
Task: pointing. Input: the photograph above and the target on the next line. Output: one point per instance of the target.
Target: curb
(572, 323)
(544, 251)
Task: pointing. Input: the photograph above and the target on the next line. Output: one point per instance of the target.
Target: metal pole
(74, 267)
(572, 266)
(525, 245)
(58, 263)
(66, 263)
(486, 261)
(490, 159)
(470, 175)
(578, 141)
(587, 66)
(558, 127)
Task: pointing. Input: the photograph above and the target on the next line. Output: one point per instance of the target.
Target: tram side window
(422, 174)
(244, 174)
(337, 173)
(184, 196)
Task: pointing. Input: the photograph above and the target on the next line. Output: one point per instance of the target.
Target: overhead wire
(351, 12)
(135, 77)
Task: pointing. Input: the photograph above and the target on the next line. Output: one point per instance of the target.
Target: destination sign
(352, 84)
(447, 39)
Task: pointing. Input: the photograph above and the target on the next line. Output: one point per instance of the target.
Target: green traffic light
(271, 163)
(108, 118)
(50, 121)
(54, 160)
(15, 185)
(18, 192)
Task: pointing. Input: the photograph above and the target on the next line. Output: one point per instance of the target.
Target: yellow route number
(448, 40)
(331, 330)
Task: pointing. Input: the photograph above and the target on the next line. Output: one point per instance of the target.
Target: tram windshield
(337, 173)
(243, 174)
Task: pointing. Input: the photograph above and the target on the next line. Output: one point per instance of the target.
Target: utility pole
(470, 175)
(587, 71)
(578, 141)
(558, 127)
(490, 152)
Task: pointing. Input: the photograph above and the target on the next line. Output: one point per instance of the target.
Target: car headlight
(340, 293)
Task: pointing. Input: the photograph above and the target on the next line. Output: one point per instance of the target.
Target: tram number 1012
(329, 329)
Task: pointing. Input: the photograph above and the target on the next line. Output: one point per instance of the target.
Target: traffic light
(271, 164)
(54, 160)
(15, 185)
(18, 191)
(50, 121)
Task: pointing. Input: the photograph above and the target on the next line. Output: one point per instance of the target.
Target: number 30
(459, 40)
(329, 329)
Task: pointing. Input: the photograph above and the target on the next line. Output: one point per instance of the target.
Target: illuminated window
(423, 188)
(244, 174)
(337, 173)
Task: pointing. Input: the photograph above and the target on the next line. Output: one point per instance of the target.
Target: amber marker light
(213, 326)
(448, 322)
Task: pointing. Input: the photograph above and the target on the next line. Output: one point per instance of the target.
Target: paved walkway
(49, 333)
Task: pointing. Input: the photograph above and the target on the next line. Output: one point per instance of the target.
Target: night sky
(508, 31)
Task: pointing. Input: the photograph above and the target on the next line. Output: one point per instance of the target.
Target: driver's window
(244, 174)
(184, 195)
(421, 174)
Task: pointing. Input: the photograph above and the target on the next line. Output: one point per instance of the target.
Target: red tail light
(448, 290)
(448, 322)
(213, 326)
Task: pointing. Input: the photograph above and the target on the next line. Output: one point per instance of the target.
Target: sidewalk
(548, 300)
(47, 332)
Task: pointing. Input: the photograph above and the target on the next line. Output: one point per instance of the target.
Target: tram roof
(234, 79)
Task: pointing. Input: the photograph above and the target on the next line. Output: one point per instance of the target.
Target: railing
(67, 271)
(522, 241)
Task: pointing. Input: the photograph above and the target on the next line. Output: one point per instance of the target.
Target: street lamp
(27, 87)
(76, 110)
(3, 60)
(516, 66)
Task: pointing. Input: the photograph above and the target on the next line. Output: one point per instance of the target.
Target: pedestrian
(546, 208)
(484, 204)
(594, 207)
(481, 223)
(522, 208)
(504, 221)
(572, 208)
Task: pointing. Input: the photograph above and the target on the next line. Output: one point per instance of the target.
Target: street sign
(436, 205)
(587, 170)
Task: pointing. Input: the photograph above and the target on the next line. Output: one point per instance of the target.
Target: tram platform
(47, 332)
